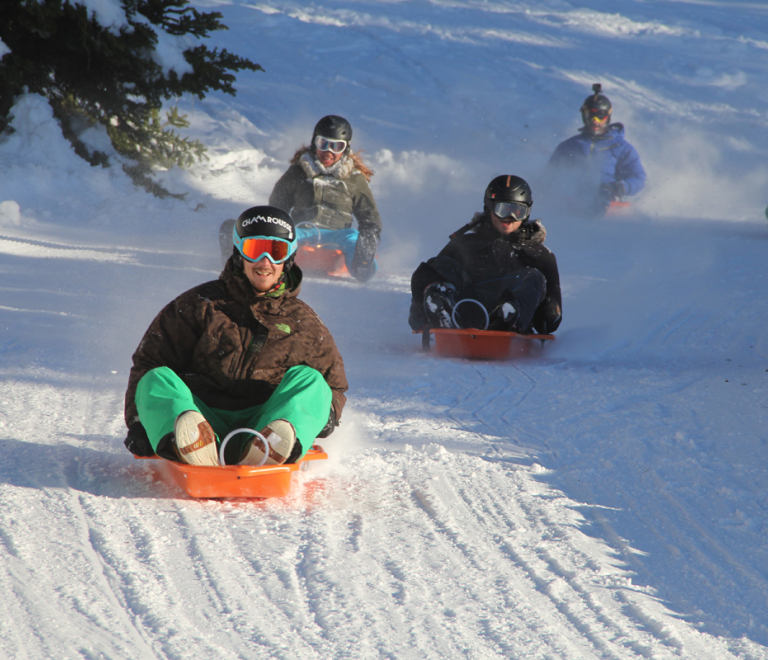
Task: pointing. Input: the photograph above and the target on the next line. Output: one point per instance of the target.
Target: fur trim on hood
(531, 230)
(341, 169)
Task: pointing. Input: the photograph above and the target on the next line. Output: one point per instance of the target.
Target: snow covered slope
(607, 498)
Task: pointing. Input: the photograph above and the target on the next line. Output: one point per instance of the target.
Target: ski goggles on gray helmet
(327, 144)
(514, 211)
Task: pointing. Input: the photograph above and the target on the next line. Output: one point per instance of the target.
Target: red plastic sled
(321, 259)
(480, 344)
(617, 208)
(235, 480)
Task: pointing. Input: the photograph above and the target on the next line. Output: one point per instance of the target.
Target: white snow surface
(606, 497)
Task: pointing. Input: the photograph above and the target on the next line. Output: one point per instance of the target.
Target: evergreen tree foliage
(91, 73)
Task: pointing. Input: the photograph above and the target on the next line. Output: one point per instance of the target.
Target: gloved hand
(363, 267)
(613, 191)
(137, 441)
(548, 316)
(330, 425)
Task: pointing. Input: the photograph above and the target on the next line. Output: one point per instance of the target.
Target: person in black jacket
(495, 273)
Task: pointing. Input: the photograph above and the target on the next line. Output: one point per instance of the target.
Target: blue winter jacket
(609, 154)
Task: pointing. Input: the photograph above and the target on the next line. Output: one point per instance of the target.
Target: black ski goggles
(514, 211)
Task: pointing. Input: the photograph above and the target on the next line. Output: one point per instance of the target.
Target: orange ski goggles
(277, 250)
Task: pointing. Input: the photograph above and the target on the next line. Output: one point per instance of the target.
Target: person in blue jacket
(601, 154)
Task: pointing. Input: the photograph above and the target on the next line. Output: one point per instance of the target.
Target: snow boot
(505, 316)
(195, 439)
(281, 437)
(439, 300)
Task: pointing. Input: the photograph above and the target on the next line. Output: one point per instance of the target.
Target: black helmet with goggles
(265, 231)
(332, 133)
(509, 196)
(596, 108)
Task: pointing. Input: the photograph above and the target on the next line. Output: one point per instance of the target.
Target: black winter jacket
(484, 254)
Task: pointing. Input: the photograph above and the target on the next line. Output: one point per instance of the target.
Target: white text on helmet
(274, 221)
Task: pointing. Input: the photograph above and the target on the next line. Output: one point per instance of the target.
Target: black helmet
(508, 188)
(333, 127)
(595, 105)
(509, 191)
(265, 222)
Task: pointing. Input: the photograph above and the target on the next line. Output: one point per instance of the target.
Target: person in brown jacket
(240, 352)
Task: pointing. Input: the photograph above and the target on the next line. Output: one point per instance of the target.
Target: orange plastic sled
(617, 208)
(321, 259)
(236, 480)
(480, 344)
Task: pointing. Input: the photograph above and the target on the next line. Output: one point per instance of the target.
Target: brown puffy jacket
(232, 348)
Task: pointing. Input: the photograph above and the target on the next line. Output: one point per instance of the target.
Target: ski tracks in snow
(484, 555)
(401, 552)
(420, 553)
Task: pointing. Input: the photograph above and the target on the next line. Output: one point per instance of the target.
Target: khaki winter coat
(326, 197)
(232, 348)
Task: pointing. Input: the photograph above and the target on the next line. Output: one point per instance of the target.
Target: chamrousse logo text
(270, 219)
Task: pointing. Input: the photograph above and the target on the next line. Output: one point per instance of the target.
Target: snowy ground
(607, 498)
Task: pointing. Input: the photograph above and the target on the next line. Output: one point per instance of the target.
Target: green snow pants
(303, 398)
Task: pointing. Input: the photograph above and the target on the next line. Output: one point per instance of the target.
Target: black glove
(548, 316)
(613, 191)
(330, 425)
(363, 267)
(137, 441)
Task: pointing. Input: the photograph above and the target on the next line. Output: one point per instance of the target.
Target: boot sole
(195, 440)
(277, 443)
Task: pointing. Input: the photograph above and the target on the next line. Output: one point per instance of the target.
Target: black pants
(524, 288)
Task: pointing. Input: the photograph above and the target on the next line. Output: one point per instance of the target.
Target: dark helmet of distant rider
(331, 139)
(596, 111)
(507, 201)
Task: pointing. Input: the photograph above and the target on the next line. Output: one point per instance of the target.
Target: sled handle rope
(252, 432)
(463, 300)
